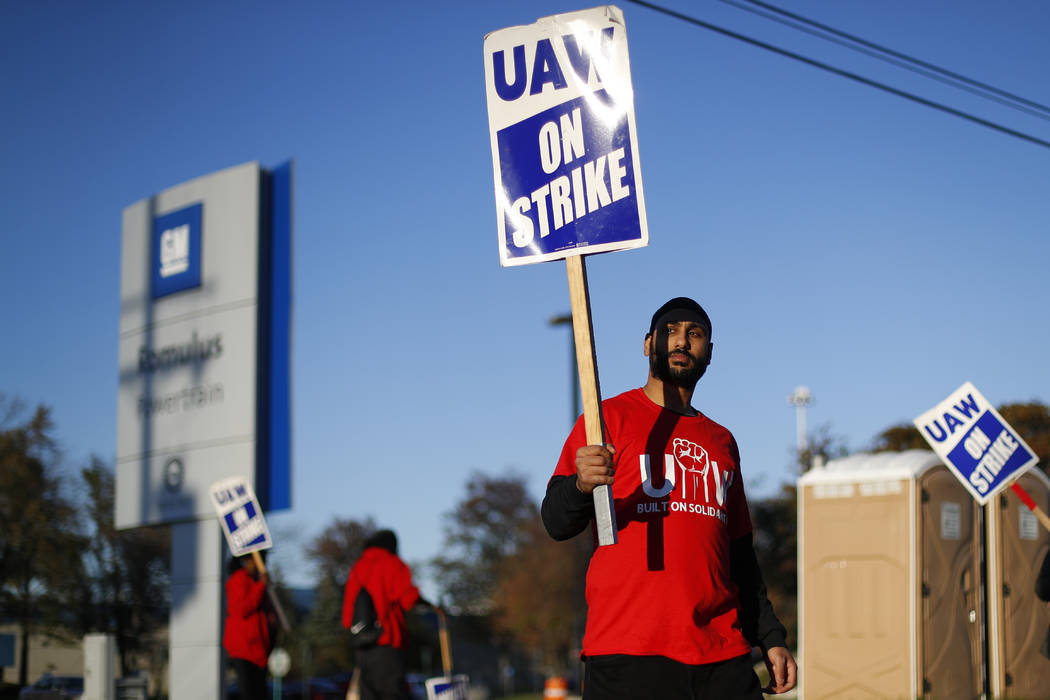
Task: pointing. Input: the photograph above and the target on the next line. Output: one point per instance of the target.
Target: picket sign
(448, 688)
(980, 448)
(240, 515)
(568, 180)
(245, 528)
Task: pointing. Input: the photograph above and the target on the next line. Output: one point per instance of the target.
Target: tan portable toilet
(889, 580)
(1018, 621)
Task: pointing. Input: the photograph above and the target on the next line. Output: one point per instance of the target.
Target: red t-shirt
(664, 588)
(389, 582)
(246, 632)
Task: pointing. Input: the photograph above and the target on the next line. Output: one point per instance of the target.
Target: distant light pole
(800, 398)
(562, 320)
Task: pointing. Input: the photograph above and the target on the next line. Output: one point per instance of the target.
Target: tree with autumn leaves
(65, 571)
(500, 562)
(39, 539)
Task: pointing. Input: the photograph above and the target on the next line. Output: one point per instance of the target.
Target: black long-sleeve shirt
(566, 512)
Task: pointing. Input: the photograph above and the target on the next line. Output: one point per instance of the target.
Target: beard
(686, 377)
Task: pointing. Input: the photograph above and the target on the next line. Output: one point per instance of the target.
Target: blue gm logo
(175, 261)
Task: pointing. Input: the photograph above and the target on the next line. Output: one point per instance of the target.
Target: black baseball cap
(680, 309)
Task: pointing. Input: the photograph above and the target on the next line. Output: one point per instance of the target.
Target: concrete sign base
(195, 649)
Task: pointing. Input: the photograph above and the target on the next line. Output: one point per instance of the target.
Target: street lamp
(566, 320)
(800, 398)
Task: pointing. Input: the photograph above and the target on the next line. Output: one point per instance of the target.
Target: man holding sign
(252, 608)
(676, 606)
(247, 633)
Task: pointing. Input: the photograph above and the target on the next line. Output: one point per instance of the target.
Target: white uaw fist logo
(697, 467)
(692, 460)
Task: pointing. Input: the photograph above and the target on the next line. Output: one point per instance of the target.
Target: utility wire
(845, 74)
(880, 49)
(943, 75)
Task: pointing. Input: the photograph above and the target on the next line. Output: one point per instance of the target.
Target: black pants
(622, 677)
(382, 674)
(251, 680)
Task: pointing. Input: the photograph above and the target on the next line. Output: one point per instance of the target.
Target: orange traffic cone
(555, 688)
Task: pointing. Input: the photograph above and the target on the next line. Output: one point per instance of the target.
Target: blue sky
(880, 252)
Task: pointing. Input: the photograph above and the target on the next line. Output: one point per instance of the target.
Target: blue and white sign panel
(240, 516)
(983, 451)
(444, 688)
(564, 140)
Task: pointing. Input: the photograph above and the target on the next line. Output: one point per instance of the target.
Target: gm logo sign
(175, 260)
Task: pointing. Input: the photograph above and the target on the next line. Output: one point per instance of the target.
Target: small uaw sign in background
(455, 688)
(240, 515)
(983, 451)
(564, 141)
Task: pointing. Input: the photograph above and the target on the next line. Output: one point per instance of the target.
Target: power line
(843, 73)
(901, 60)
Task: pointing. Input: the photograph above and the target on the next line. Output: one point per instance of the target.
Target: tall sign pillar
(204, 382)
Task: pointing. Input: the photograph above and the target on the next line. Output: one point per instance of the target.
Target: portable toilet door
(1019, 621)
(951, 648)
(858, 577)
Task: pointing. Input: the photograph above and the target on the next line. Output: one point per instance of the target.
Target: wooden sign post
(446, 646)
(590, 391)
(447, 686)
(271, 593)
(1031, 504)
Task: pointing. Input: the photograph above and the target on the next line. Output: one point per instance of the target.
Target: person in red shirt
(389, 581)
(676, 605)
(246, 634)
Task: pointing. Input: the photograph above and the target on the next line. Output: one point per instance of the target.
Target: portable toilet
(1018, 620)
(889, 580)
